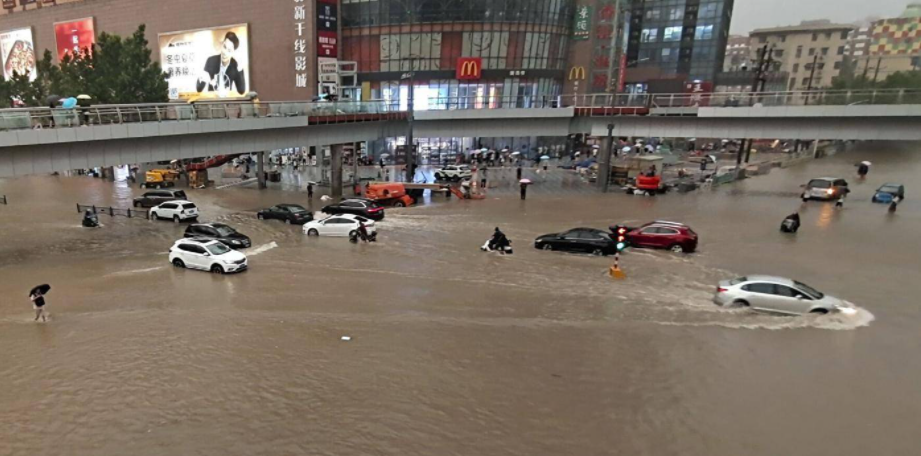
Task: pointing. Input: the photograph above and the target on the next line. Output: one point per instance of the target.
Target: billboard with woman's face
(206, 63)
(18, 53)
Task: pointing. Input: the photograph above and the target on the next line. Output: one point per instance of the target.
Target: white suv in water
(206, 255)
(454, 173)
(176, 210)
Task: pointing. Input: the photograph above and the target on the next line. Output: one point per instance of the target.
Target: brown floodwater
(454, 351)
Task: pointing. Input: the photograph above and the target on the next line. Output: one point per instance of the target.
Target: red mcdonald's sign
(469, 68)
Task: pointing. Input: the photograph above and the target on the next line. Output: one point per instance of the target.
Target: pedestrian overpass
(44, 140)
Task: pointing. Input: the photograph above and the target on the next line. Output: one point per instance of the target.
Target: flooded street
(454, 351)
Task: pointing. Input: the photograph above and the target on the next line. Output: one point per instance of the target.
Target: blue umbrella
(69, 103)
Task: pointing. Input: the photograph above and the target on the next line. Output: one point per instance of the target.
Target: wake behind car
(356, 206)
(176, 210)
(206, 255)
(673, 236)
(777, 295)
(825, 188)
(155, 197)
(454, 173)
(218, 232)
(291, 214)
(585, 240)
(888, 192)
(338, 225)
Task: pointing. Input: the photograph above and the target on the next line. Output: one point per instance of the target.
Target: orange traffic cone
(615, 272)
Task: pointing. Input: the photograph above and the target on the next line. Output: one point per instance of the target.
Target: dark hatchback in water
(218, 232)
(585, 240)
(289, 213)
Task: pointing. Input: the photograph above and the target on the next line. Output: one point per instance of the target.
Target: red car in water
(673, 236)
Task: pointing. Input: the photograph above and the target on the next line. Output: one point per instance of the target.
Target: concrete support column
(260, 169)
(355, 178)
(604, 161)
(335, 165)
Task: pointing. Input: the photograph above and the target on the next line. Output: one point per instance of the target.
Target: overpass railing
(38, 118)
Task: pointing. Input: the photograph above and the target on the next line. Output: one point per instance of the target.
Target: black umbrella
(43, 289)
(52, 100)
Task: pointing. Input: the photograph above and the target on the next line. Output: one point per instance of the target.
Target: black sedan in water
(288, 213)
(586, 240)
(218, 232)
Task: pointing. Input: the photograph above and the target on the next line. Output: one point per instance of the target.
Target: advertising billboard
(328, 28)
(469, 68)
(206, 63)
(73, 37)
(18, 53)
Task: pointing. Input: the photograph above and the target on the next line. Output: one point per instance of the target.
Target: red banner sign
(74, 37)
(469, 68)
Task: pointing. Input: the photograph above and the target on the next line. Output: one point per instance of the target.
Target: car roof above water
(769, 278)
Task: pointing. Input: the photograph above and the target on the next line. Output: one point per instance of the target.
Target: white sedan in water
(778, 295)
(337, 225)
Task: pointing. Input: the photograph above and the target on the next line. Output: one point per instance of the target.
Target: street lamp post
(604, 169)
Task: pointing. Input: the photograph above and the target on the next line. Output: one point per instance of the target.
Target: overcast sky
(752, 14)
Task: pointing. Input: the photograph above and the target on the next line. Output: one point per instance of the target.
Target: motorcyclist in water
(791, 223)
(498, 241)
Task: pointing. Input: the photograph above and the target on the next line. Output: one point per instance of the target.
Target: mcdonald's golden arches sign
(577, 73)
(469, 68)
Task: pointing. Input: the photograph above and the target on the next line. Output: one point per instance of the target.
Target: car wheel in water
(353, 233)
(399, 204)
(313, 232)
(154, 216)
(818, 311)
(598, 252)
(178, 263)
(547, 247)
(136, 204)
(739, 303)
(217, 269)
(259, 216)
(287, 221)
(677, 248)
(175, 219)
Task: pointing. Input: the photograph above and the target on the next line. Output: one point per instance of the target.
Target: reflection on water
(454, 350)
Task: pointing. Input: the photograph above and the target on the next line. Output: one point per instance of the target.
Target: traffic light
(621, 237)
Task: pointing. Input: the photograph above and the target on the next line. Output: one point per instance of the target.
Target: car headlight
(235, 242)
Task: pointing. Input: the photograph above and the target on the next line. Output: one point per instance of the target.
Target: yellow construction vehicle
(159, 178)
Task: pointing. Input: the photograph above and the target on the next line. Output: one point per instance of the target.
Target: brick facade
(271, 32)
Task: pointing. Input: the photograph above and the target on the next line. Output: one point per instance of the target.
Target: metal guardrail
(375, 110)
(338, 111)
(113, 212)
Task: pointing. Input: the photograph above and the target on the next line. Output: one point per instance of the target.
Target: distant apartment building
(812, 53)
(738, 54)
(893, 45)
(858, 42)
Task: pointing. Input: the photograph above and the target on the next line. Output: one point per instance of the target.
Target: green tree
(115, 70)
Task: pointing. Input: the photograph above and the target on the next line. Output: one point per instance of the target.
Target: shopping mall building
(455, 53)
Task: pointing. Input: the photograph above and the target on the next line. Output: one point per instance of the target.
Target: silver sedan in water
(777, 295)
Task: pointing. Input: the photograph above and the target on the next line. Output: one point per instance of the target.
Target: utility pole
(765, 59)
(815, 63)
(410, 149)
(866, 68)
(876, 73)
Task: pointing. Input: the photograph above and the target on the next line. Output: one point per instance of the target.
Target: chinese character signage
(327, 28)
(469, 68)
(581, 28)
(18, 53)
(74, 37)
(206, 63)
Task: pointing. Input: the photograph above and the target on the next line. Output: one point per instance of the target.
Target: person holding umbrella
(37, 295)
(524, 187)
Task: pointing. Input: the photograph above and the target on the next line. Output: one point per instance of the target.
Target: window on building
(650, 35)
(838, 65)
(821, 66)
(811, 52)
(844, 35)
(840, 50)
(654, 14)
(799, 51)
(703, 32)
(762, 39)
(795, 68)
(783, 38)
(824, 51)
(672, 34)
(815, 37)
(778, 53)
(676, 13)
(805, 81)
(828, 36)
(708, 10)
